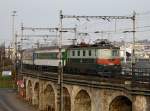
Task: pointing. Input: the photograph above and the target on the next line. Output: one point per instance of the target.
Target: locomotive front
(108, 60)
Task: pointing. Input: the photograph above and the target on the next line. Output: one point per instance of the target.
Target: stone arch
(82, 101)
(66, 100)
(121, 103)
(29, 91)
(52, 85)
(36, 94)
(49, 98)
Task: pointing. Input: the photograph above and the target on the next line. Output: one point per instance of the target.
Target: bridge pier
(29, 91)
(41, 93)
(35, 100)
(141, 103)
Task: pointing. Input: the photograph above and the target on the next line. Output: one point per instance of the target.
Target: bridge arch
(66, 99)
(82, 101)
(49, 98)
(120, 103)
(29, 91)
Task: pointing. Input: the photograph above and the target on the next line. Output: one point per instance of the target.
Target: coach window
(83, 52)
(78, 52)
(90, 53)
(73, 53)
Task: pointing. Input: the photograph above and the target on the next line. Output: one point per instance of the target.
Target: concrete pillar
(35, 97)
(29, 91)
(140, 103)
(95, 100)
(105, 99)
(41, 93)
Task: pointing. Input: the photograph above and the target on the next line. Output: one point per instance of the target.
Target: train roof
(103, 44)
(53, 47)
(47, 48)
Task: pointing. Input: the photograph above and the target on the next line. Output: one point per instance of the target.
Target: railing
(140, 78)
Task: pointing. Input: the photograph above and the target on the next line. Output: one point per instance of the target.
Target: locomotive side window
(95, 52)
(73, 53)
(83, 52)
(90, 53)
(78, 52)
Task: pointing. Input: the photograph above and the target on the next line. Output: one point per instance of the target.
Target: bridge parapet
(132, 84)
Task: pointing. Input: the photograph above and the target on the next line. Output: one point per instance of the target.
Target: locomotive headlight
(111, 63)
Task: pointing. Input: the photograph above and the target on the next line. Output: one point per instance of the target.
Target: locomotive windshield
(108, 53)
(115, 52)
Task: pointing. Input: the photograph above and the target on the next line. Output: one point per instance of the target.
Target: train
(99, 58)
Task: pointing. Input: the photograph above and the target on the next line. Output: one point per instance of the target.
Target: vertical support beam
(133, 47)
(21, 49)
(60, 72)
(13, 28)
(14, 44)
(75, 39)
(16, 58)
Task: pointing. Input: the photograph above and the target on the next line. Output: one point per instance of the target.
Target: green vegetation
(6, 64)
(6, 82)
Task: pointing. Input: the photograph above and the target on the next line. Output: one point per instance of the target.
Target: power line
(47, 29)
(38, 35)
(143, 31)
(144, 13)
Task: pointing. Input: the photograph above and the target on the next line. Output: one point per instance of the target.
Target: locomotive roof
(100, 45)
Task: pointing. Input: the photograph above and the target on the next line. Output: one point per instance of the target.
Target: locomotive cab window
(78, 53)
(83, 52)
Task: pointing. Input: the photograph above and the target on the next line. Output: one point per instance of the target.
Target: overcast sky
(44, 13)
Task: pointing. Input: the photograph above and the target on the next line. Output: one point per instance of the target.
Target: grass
(6, 82)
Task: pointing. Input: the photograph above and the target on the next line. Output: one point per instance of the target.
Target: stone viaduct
(84, 93)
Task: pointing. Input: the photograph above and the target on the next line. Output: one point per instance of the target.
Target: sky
(45, 13)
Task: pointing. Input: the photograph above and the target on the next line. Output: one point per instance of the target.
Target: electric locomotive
(99, 58)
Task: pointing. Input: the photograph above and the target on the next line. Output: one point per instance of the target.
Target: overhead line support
(49, 29)
(97, 17)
